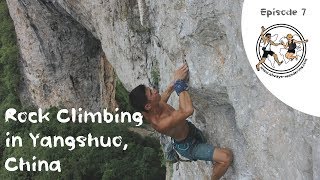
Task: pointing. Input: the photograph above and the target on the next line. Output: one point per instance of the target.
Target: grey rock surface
(270, 140)
(62, 62)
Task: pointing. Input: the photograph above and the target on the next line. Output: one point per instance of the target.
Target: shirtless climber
(188, 140)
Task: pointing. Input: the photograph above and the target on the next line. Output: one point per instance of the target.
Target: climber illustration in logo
(267, 42)
(291, 48)
(291, 45)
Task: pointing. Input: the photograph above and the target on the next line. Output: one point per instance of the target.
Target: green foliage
(122, 97)
(9, 76)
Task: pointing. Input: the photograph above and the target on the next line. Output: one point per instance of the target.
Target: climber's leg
(260, 62)
(222, 158)
(275, 56)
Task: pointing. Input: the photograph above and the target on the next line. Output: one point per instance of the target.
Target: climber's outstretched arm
(295, 41)
(179, 74)
(262, 35)
(275, 44)
(167, 93)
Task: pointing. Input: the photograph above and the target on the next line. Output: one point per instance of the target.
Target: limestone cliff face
(62, 62)
(66, 44)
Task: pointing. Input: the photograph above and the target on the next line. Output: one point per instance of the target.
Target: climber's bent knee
(223, 155)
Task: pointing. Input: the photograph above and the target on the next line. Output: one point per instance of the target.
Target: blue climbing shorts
(194, 147)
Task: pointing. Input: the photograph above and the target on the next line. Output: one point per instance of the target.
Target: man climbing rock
(188, 140)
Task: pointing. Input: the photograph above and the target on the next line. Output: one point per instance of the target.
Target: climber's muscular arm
(173, 118)
(262, 34)
(177, 116)
(275, 44)
(295, 41)
(180, 74)
(166, 94)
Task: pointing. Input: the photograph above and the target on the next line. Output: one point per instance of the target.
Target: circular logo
(281, 42)
(280, 50)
